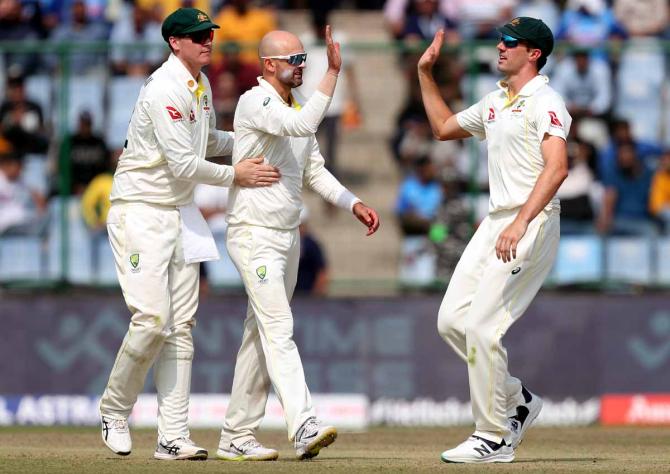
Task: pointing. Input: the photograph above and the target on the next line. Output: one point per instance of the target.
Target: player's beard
(289, 78)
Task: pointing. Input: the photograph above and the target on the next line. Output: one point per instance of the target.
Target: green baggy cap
(184, 21)
(532, 30)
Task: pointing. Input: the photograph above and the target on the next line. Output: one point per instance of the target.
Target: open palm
(431, 54)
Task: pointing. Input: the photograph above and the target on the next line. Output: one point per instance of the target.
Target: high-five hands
(367, 216)
(431, 54)
(333, 52)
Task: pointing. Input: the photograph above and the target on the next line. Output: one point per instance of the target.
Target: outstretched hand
(333, 52)
(251, 173)
(431, 54)
(367, 216)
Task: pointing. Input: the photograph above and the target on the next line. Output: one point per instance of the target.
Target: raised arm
(442, 120)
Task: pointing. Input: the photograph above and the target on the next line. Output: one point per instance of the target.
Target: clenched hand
(367, 216)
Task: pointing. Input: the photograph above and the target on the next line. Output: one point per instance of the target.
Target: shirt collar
(270, 88)
(182, 74)
(530, 88)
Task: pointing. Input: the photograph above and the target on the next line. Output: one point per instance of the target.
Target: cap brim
(506, 30)
(205, 25)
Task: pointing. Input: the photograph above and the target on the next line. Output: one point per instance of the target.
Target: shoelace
(310, 428)
(251, 444)
(119, 425)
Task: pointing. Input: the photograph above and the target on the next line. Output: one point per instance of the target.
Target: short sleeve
(552, 117)
(471, 120)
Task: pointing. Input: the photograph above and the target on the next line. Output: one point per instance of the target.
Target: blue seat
(628, 260)
(663, 261)
(39, 88)
(123, 92)
(21, 258)
(34, 173)
(418, 261)
(579, 260)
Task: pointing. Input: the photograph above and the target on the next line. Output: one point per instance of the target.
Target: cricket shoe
(179, 449)
(116, 435)
(526, 413)
(311, 437)
(476, 449)
(251, 450)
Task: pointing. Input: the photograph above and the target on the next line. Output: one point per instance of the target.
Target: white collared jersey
(514, 130)
(172, 130)
(265, 125)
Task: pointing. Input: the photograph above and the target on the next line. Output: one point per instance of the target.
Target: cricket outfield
(592, 449)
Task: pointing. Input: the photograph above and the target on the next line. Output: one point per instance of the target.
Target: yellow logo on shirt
(261, 272)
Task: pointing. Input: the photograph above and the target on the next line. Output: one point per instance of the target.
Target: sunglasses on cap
(293, 59)
(201, 37)
(509, 41)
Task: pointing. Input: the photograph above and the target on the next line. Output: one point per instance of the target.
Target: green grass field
(56, 450)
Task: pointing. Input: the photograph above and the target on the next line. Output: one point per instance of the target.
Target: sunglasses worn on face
(201, 37)
(508, 41)
(293, 59)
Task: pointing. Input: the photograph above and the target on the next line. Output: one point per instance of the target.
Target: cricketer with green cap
(525, 124)
(159, 236)
(185, 21)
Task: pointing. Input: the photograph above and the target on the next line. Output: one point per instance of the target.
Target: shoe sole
(532, 415)
(199, 456)
(497, 458)
(242, 457)
(312, 450)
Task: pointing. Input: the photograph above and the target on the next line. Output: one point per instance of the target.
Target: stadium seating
(579, 260)
(629, 260)
(123, 92)
(21, 258)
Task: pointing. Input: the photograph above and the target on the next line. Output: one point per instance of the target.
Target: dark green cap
(184, 21)
(532, 30)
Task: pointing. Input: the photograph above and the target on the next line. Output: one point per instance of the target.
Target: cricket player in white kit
(525, 123)
(264, 244)
(158, 236)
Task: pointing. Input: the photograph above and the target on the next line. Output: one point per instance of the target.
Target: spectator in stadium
(577, 214)
(621, 133)
(423, 21)
(244, 24)
(396, 14)
(80, 28)
(346, 93)
(625, 208)
(659, 195)
(452, 228)
(22, 210)
(127, 57)
(589, 23)
(243, 73)
(88, 153)
(419, 198)
(647, 18)
(14, 27)
(585, 85)
(312, 266)
(21, 119)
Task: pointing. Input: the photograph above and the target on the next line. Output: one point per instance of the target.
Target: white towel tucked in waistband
(196, 238)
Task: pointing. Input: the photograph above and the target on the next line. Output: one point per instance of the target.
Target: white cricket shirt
(172, 130)
(265, 125)
(514, 130)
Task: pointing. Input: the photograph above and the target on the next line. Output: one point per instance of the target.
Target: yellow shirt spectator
(168, 6)
(659, 194)
(246, 27)
(95, 202)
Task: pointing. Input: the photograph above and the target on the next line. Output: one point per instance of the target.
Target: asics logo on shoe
(170, 449)
(105, 428)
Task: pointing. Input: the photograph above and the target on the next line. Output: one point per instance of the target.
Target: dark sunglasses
(509, 42)
(201, 37)
(293, 59)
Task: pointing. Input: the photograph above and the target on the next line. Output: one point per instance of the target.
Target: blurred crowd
(610, 67)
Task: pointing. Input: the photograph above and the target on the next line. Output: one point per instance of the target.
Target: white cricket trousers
(484, 297)
(161, 292)
(267, 260)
